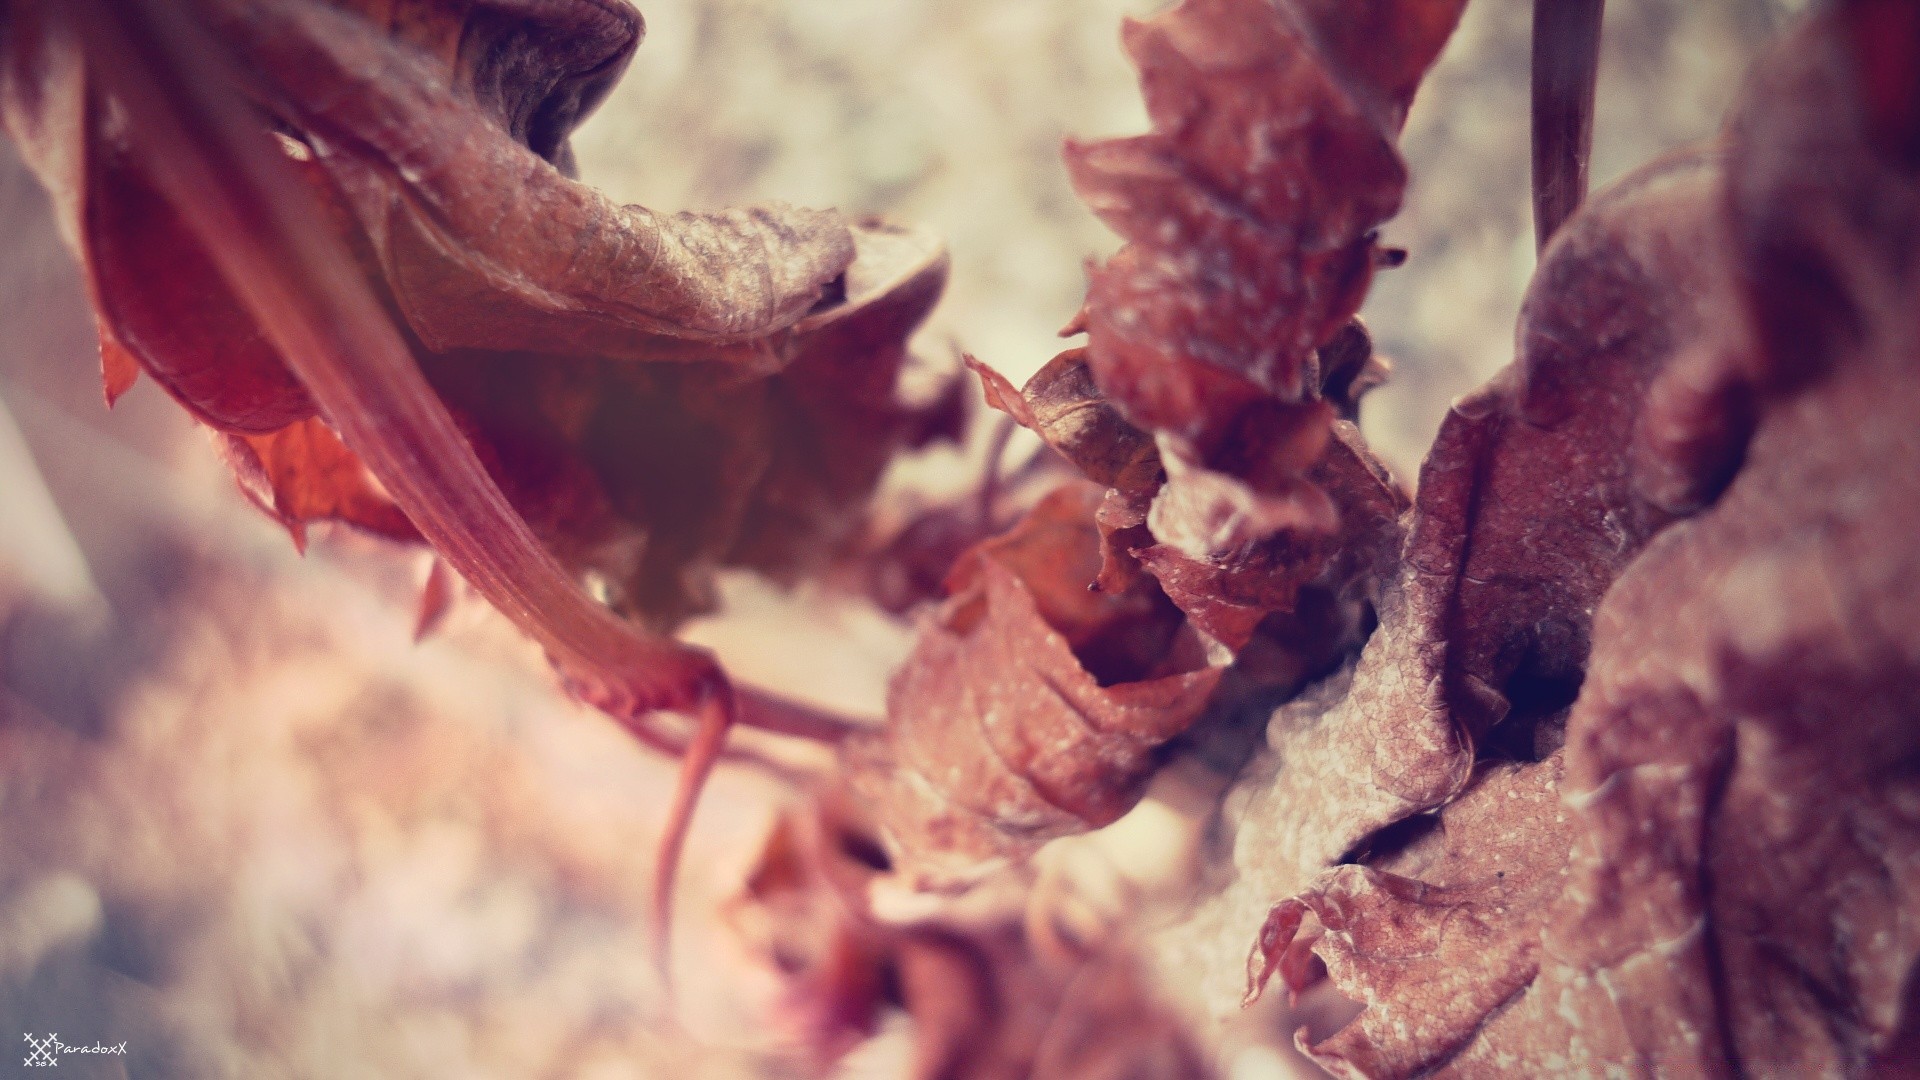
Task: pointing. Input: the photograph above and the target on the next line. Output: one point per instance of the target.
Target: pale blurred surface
(249, 828)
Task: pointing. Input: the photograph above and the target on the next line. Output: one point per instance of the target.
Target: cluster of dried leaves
(1214, 402)
(1615, 765)
(658, 395)
(1625, 778)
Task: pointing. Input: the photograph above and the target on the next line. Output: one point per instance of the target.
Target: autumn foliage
(1594, 750)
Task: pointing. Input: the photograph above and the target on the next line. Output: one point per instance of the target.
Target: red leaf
(118, 369)
(303, 473)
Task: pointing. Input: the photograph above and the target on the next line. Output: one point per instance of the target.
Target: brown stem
(266, 233)
(1566, 64)
(992, 482)
(767, 711)
(715, 717)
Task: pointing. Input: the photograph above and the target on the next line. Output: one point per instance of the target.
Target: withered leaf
(1347, 548)
(1222, 352)
(1249, 210)
(1063, 405)
(1031, 706)
(1436, 936)
(1729, 888)
(650, 477)
(1527, 510)
(1224, 327)
(433, 135)
(404, 112)
(985, 1002)
(354, 191)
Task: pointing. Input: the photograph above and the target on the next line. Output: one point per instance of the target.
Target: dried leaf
(1224, 326)
(1527, 510)
(1729, 890)
(403, 114)
(395, 115)
(1205, 401)
(648, 478)
(1031, 706)
(986, 1004)
(303, 473)
(1249, 211)
(1437, 935)
(1062, 404)
(419, 168)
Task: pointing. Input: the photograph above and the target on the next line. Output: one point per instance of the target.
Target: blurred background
(249, 828)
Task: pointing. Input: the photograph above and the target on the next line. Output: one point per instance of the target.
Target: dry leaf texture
(1526, 511)
(1249, 210)
(1223, 326)
(1716, 875)
(658, 394)
(1032, 706)
(1214, 401)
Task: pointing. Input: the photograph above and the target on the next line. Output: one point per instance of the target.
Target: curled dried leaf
(404, 108)
(1066, 408)
(1224, 326)
(363, 187)
(1031, 706)
(1249, 211)
(403, 121)
(1434, 935)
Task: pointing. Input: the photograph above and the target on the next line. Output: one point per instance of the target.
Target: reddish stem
(1566, 66)
(715, 716)
(766, 711)
(992, 482)
(267, 234)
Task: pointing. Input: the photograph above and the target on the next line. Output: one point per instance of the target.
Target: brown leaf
(404, 116)
(1225, 326)
(434, 136)
(1730, 889)
(1031, 707)
(648, 478)
(1527, 510)
(414, 200)
(1063, 405)
(1249, 210)
(1437, 934)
